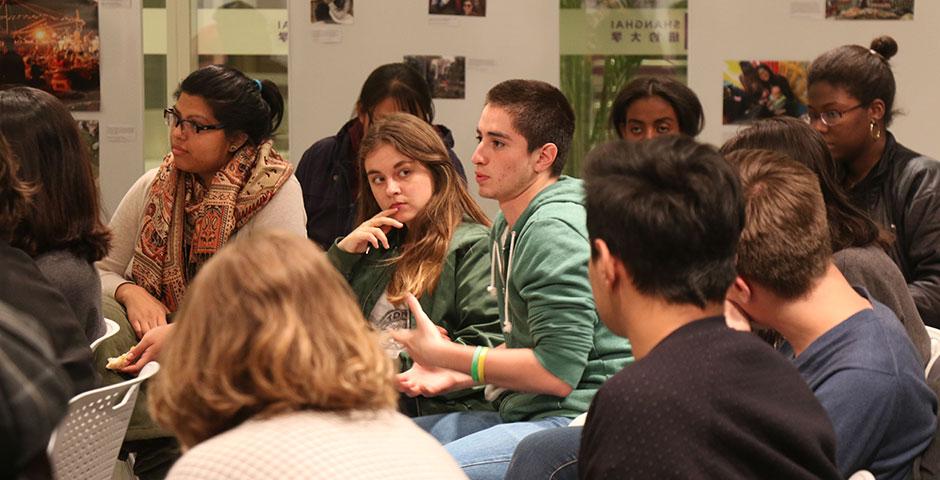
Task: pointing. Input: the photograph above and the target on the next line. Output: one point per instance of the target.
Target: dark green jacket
(550, 305)
(459, 303)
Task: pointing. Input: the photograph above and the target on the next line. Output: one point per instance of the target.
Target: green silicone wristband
(474, 365)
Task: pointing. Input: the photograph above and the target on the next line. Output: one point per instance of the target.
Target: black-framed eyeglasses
(172, 119)
(829, 117)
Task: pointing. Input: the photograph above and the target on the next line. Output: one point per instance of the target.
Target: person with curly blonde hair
(275, 374)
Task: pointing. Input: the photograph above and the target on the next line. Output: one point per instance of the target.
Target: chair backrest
(927, 465)
(111, 328)
(934, 335)
(86, 443)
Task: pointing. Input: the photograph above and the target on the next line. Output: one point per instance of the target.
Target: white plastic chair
(86, 443)
(934, 335)
(111, 328)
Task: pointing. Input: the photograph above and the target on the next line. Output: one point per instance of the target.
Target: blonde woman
(420, 233)
(286, 382)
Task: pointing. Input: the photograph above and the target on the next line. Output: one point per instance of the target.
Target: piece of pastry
(117, 363)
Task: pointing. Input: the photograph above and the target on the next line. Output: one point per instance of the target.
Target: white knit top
(320, 445)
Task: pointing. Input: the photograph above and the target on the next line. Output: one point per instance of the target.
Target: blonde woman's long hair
(267, 327)
(421, 261)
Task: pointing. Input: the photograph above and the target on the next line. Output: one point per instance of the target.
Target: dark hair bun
(885, 46)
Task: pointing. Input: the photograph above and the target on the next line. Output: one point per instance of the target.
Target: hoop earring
(874, 130)
(233, 148)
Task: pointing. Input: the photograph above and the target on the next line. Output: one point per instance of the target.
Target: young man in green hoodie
(557, 353)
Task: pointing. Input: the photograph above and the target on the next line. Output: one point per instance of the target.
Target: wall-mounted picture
(445, 75)
(467, 8)
(870, 9)
(89, 131)
(635, 4)
(755, 89)
(53, 45)
(332, 11)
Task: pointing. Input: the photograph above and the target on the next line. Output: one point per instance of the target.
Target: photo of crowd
(635, 3)
(445, 75)
(762, 89)
(469, 8)
(870, 9)
(52, 45)
(332, 11)
(89, 132)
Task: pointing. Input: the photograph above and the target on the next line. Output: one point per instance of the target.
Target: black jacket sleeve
(920, 235)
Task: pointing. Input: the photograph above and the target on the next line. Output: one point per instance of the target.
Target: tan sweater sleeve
(115, 269)
(285, 211)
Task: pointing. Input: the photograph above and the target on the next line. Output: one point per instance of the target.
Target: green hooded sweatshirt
(459, 301)
(546, 304)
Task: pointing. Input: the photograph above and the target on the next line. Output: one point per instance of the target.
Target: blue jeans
(547, 455)
(480, 442)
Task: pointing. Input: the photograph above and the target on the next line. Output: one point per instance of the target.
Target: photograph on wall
(445, 75)
(870, 9)
(53, 45)
(332, 11)
(89, 132)
(635, 3)
(466, 8)
(755, 89)
(604, 44)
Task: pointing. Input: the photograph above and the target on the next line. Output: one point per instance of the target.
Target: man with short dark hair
(701, 400)
(557, 353)
(851, 350)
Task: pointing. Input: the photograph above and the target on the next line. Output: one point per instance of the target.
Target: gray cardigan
(78, 281)
(870, 267)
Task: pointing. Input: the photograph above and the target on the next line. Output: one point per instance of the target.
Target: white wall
(517, 38)
(120, 120)
(721, 30)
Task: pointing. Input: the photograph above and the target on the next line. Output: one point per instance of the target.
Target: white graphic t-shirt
(385, 317)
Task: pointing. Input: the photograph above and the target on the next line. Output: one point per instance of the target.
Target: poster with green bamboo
(604, 44)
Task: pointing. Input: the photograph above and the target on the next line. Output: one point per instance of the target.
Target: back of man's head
(539, 112)
(671, 210)
(785, 244)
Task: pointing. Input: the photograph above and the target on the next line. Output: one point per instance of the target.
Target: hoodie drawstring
(497, 263)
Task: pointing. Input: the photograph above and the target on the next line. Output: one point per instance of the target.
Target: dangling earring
(874, 130)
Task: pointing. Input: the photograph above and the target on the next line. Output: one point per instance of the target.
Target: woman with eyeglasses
(851, 103)
(222, 178)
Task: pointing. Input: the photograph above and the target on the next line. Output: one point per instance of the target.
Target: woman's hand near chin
(372, 232)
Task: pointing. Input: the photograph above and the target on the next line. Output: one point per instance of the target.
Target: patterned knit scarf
(181, 215)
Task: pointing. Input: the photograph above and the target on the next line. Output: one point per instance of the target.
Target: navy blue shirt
(707, 402)
(865, 373)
